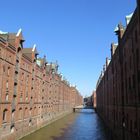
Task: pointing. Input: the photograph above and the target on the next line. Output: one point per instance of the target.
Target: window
(26, 96)
(8, 71)
(21, 98)
(13, 113)
(12, 129)
(7, 85)
(6, 97)
(26, 111)
(30, 122)
(30, 112)
(19, 48)
(20, 113)
(3, 69)
(4, 115)
(34, 110)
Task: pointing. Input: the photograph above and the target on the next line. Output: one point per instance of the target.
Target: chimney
(119, 30)
(113, 48)
(107, 62)
(104, 68)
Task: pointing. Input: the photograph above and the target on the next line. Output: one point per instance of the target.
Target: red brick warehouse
(118, 87)
(32, 92)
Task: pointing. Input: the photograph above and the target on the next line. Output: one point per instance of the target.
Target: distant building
(88, 101)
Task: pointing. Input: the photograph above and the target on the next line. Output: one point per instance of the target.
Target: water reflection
(83, 125)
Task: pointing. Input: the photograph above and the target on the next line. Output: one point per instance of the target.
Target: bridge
(82, 107)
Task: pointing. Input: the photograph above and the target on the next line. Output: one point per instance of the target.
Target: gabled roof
(27, 52)
(11, 37)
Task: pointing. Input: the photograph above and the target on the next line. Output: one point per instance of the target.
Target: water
(82, 125)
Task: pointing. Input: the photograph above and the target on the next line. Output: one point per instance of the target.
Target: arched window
(20, 113)
(8, 71)
(7, 84)
(13, 113)
(30, 112)
(6, 97)
(5, 115)
(12, 129)
(26, 96)
(30, 122)
(19, 49)
(26, 111)
(34, 110)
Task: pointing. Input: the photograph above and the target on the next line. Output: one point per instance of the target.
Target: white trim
(34, 48)
(18, 33)
(1, 32)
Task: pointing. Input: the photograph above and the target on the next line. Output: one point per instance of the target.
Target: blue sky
(76, 33)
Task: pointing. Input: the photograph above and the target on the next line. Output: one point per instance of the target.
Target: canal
(81, 125)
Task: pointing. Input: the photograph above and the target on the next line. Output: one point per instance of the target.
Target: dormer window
(21, 43)
(19, 49)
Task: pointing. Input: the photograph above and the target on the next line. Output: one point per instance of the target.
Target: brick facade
(94, 99)
(118, 87)
(32, 93)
